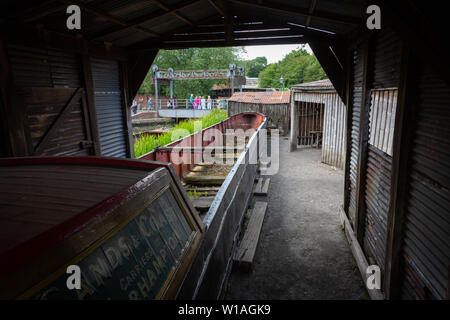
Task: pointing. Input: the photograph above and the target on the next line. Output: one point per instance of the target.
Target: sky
(272, 53)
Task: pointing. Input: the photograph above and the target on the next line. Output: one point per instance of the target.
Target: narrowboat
(128, 225)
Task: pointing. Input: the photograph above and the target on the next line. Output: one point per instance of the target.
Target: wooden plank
(358, 254)
(59, 121)
(202, 204)
(258, 186)
(265, 188)
(90, 99)
(246, 252)
(203, 179)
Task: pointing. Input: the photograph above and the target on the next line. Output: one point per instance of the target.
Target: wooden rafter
(147, 18)
(291, 10)
(310, 12)
(108, 17)
(217, 7)
(175, 13)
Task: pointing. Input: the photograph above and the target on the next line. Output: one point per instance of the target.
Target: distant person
(196, 102)
(150, 103)
(209, 102)
(203, 103)
(191, 101)
(134, 107)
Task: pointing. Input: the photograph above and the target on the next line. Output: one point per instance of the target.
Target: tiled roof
(267, 97)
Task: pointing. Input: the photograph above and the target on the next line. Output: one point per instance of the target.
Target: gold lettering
(114, 257)
(99, 271)
(133, 295)
(123, 245)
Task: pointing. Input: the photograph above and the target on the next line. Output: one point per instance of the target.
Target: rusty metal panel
(358, 70)
(108, 105)
(377, 193)
(387, 59)
(426, 249)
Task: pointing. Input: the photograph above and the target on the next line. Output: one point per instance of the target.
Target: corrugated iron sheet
(377, 194)
(108, 105)
(358, 68)
(426, 248)
(323, 111)
(382, 119)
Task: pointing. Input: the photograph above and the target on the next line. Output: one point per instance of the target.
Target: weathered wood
(265, 187)
(401, 149)
(202, 204)
(358, 254)
(247, 248)
(258, 186)
(126, 109)
(331, 65)
(203, 180)
(90, 99)
(58, 121)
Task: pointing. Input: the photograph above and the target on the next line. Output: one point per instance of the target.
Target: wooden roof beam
(147, 18)
(310, 12)
(108, 17)
(290, 10)
(175, 13)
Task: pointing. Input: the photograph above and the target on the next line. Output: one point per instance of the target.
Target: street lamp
(155, 69)
(232, 69)
(282, 82)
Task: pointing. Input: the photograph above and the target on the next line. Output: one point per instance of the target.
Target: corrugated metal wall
(277, 114)
(357, 72)
(426, 248)
(108, 105)
(327, 113)
(383, 99)
(39, 73)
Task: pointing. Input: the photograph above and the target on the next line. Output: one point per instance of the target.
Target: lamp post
(282, 82)
(240, 73)
(232, 69)
(170, 70)
(155, 69)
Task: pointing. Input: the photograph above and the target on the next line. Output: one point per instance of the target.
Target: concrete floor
(302, 251)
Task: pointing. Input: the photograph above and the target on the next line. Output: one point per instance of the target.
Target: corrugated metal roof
(318, 85)
(268, 97)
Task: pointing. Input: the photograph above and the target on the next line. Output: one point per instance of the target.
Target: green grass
(147, 143)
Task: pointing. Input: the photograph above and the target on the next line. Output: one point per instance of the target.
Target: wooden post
(294, 124)
(363, 141)
(89, 91)
(403, 131)
(126, 110)
(349, 105)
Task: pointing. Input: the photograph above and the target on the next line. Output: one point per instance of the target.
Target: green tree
(296, 67)
(255, 66)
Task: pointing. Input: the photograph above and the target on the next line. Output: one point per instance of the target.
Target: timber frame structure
(67, 92)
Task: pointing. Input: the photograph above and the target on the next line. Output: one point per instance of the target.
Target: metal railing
(204, 104)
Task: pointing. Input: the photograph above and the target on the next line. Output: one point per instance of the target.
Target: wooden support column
(332, 67)
(360, 207)
(294, 124)
(126, 109)
(90, 99)
(401, 146)
(348, 121)
(13, 107)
